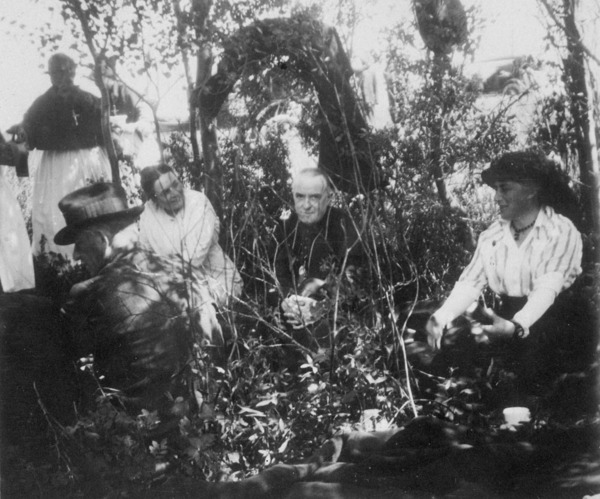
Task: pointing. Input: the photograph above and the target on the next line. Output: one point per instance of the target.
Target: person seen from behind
(133, 315)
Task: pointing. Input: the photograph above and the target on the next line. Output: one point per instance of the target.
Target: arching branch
(315, 54)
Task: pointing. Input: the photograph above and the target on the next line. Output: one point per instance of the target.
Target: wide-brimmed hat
(524, 165)
(100, 202)
(535, 166)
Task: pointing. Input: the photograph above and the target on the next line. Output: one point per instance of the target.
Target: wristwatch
(519, 331)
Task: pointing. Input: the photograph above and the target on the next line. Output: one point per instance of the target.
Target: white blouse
(190, 237)
(546, 263)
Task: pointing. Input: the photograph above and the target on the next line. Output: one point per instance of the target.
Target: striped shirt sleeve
(560, 263)
(558, 267)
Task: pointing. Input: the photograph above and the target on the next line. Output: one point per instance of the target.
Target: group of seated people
(177, 237)
(156, 286)
(159, 284)
(159, 276)
(528, 259)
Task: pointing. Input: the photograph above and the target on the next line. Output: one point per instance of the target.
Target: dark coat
(314, 251)
(133, 317)
(69, 122)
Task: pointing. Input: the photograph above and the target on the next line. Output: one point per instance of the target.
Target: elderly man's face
(62, 74)
(90, 249)
(168, 193)
(311, 198)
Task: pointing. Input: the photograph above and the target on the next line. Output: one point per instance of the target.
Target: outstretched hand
(435, 331)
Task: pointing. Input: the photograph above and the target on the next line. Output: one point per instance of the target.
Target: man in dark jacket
(316, 246)
(138, 320)
(64, 128)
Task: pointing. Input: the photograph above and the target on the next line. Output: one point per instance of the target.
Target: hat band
(94, 209)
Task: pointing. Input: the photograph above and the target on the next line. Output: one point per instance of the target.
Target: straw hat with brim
(101, 202)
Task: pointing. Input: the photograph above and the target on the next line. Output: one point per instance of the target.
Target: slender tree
(581, 99)
(142, 35)
(97, 50)
(442, 25)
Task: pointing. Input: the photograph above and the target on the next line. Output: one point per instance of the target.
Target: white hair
(312, 172)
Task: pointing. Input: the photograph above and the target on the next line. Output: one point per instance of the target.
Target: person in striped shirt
(528, 257)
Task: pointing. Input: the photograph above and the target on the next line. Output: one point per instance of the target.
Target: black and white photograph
(300, 249)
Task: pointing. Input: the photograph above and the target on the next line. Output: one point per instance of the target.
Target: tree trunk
(581, 111)
(106, 133)
(190, 86)
(105, 116)
(213, 175)
(441, 65)
(442, 25)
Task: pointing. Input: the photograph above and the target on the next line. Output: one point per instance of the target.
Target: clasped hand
(297, 310)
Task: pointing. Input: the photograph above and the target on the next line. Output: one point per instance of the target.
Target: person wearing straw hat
(136, 318)
(528, 258)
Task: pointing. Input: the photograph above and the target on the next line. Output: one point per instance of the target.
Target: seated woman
(182, 223)
(529, 257)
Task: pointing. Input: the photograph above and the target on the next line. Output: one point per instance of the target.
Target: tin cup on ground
(515, 416)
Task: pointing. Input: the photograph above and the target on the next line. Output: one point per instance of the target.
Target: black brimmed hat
(523, 165)
(100, 202)
(537, 167)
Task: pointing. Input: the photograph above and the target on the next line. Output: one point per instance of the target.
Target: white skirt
(16, 266)
(58, 173)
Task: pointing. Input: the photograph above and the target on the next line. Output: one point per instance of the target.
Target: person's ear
(534, 192)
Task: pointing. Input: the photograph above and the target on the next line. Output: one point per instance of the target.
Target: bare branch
(563, 28)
